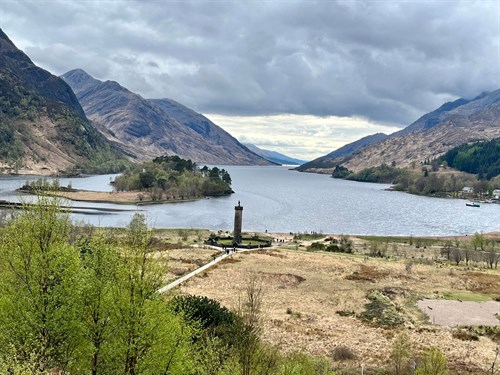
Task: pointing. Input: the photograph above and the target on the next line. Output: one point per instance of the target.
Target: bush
(433, 362)
(401, 354)
(204, 311)
(343, 353)
(316, 246)
(381, 311)
(345, 313)
(464, 335)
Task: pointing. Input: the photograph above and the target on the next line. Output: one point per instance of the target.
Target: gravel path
(452, 313)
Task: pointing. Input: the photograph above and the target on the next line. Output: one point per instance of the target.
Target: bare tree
(491, 255)
(446, 249)
(456, 255)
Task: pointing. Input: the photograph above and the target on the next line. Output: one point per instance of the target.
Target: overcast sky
(299, 77)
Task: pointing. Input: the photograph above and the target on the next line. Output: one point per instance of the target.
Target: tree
(456, 255)
(247, 334)
(154, 340)
(446, 249)
(401, 354)
(213, 174)
(101, 265)
(433, 362)
(147, 179)
(226, 177)
(478, 241)
(40, 283)
(492, 255)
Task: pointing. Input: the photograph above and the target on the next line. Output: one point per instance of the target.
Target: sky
(299, 77)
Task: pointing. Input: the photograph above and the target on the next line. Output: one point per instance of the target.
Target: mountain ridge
(450, 125)
(43, 128)
(148, 128)
(329, 161)
(273, 156)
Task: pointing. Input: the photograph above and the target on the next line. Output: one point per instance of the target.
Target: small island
(162, 180)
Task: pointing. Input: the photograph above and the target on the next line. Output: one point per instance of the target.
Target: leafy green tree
(226, 177)
(40, 284)
(401, 354)
(478, 241)
(154, 340)
(340, 172)
(101, 269)
(433, 362)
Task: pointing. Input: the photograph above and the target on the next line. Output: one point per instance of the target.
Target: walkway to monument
(180, 280)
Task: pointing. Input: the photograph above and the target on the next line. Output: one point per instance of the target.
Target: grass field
(315, 301)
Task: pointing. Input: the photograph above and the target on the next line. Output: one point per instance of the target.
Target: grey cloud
(387, 61)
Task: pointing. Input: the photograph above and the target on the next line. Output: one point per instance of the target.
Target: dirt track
(455, 313)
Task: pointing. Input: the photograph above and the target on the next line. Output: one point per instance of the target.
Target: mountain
(452, 124)
(43, 128)
(148, 128)
(329, 161)
(274, 156)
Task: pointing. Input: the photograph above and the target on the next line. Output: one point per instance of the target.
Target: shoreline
(111, 197)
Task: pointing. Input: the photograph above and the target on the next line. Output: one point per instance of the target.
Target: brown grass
(367, 273)
(482, 282)
(312, 287)
(184, 260)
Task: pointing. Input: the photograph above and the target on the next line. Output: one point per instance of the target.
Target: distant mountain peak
(274, 156)
(148, 128)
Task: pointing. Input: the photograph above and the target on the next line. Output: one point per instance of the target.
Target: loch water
(277, 199)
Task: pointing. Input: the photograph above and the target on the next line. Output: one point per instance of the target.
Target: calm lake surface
(279, 200)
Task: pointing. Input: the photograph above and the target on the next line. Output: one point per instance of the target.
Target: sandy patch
(466, 313)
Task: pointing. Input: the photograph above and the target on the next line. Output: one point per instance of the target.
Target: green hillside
(42, 125)
(481, 158)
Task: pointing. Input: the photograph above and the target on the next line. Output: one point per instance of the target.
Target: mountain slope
(464, 121)
(452, 124)
(150, 128)
(274, 156)
(329, 161)
(42, 125)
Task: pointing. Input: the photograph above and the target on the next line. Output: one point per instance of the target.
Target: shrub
(433, 362)
(316, 246)
(409, 267)
(205, 311)
(401, 354)
(381, 311)
(464, 335)
(345, 313)
(343, 353)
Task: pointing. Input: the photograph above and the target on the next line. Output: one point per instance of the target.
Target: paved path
(202, 268)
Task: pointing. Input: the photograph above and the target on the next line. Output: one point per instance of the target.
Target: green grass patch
(466, 296)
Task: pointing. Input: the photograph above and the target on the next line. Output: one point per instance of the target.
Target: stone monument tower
(238, 219)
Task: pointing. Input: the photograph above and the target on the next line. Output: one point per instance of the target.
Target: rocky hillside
(43, 128)
(325, 164)
(435, 133)
(274, 156)
(149, 128)
(452, 124)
